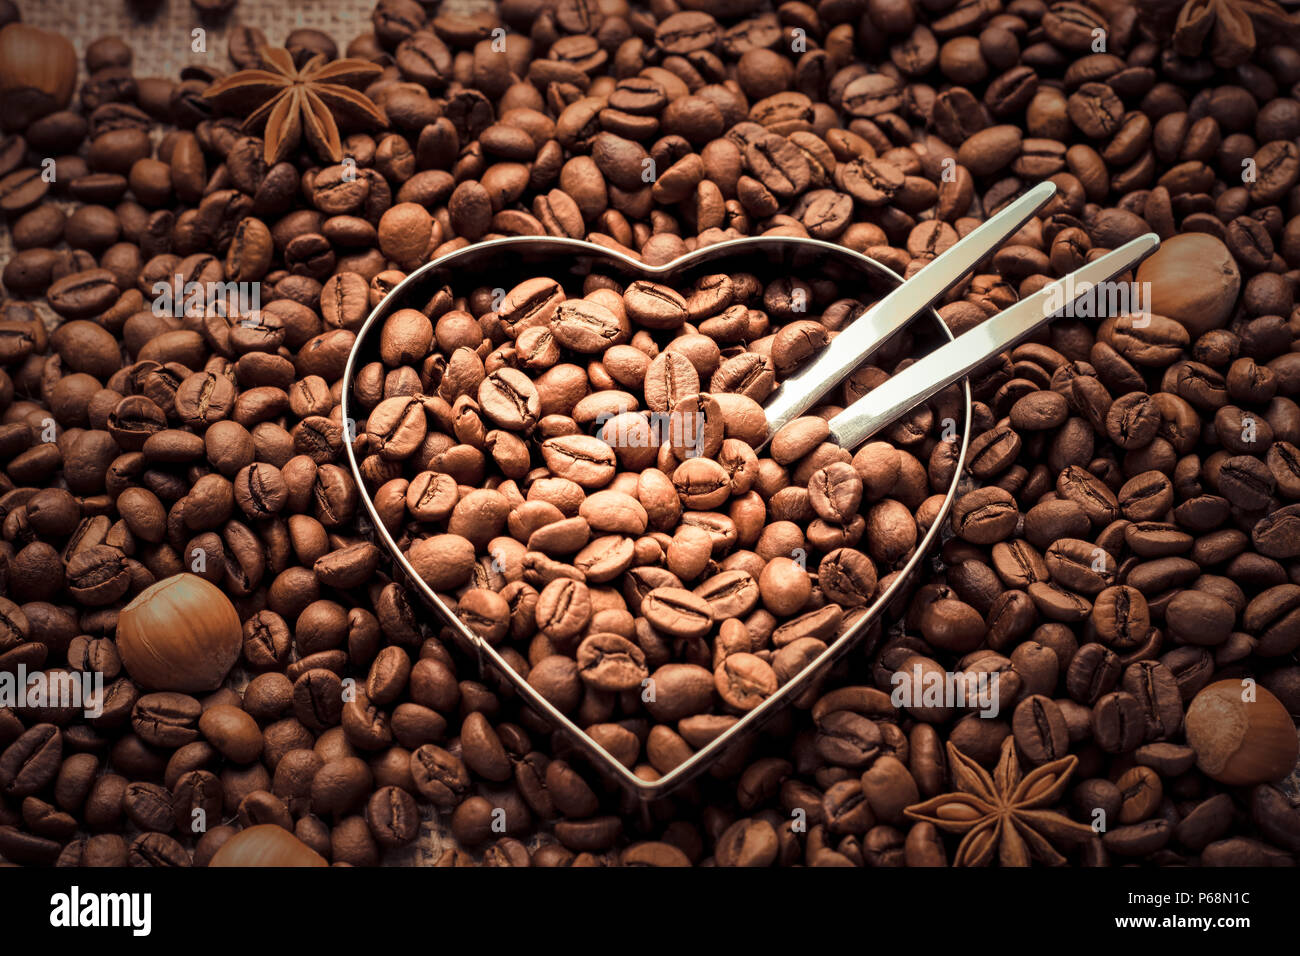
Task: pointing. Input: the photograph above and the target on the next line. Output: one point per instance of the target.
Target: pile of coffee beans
(618, 523)
(1122, 567)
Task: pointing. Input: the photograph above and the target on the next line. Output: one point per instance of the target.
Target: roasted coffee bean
(1121, 617)
(31, 761)
(166, 719)
(149, 807)
(1118, 724)
(1040, 729)
(609, 662)
(392, 816)
(439, 776)
(744, 681)
(1093, 671)
(1156, 690)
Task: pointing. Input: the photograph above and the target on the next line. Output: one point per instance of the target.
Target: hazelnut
(181, 634)
(38, 71)
(1194, 280)
(266, 845)
(1241, 734)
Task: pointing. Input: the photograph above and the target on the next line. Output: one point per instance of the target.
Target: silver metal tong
(909, 388)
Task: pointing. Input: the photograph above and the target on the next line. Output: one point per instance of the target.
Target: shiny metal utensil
(850, 349)
(501, 262)
(940, 368)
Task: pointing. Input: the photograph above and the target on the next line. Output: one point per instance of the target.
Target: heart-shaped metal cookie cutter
(502, 262)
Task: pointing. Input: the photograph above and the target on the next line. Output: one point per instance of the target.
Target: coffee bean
(1040, 729)
(611, 663)
(31, 761)
(1117, 722)
(1093, 672)
(166, 719)
(847, 739)
(1156, 690)
(149, 807)
(392, 816)
(1195, 617)
(1121, 617)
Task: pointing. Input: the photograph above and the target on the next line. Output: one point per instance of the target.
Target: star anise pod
(288, 101)
(1006, 812)
(1233, 29)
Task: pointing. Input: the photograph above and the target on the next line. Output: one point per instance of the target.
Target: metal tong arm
(851, 347)
(945, 365)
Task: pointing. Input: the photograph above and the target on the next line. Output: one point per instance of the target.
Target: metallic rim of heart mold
(480, 258)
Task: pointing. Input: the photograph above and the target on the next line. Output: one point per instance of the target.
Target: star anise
(1233, 28)
(289, 101)
(1006, 812)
